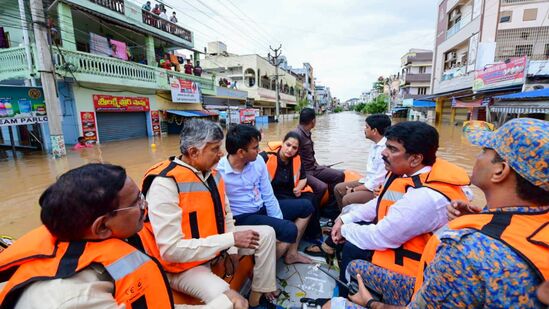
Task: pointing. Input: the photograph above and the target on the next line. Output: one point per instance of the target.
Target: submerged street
(338, 138)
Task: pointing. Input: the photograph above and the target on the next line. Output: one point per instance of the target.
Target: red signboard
(88, 126)
(247, 116)
(155, 120)
(109, 103)
(501, 74)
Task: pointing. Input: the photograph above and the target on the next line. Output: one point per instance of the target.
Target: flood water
(338, 137)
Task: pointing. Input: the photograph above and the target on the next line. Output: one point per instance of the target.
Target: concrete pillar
(453, 114)
(438, 109)
(66, 27)
(149, 51)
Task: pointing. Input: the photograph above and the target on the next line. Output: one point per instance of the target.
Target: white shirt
(163, 15)
(419, 211)
(375, 169)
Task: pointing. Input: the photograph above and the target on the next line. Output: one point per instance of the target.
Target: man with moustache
(392, 229)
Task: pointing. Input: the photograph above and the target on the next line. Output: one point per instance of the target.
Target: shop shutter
(121, 126)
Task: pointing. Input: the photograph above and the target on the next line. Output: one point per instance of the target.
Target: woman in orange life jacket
(290, 188)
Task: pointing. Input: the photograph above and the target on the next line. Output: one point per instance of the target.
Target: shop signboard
(155, 121)
(109, 103)
(22, 105)
(89, 128)
(503, 74)
(184, 91)
(247, 115)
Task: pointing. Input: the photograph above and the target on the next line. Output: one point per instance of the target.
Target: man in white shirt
(361, 191)
(191, 221)
(392, 229)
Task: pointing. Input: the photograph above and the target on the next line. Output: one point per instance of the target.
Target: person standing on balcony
(188, 67)
(146, 6)
(156, 9)
(173, 18)
(197, 71)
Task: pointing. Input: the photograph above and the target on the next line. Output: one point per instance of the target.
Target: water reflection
(338, 137)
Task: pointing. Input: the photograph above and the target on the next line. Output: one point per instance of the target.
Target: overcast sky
(348, 43)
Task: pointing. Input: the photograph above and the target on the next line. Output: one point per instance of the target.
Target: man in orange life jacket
(499, 257)
(191, 222)
(411, 205)
(80, 257)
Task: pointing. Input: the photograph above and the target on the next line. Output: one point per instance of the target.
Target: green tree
(301, 104)
(378, 105)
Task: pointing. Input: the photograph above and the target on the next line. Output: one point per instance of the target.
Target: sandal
(315, 250)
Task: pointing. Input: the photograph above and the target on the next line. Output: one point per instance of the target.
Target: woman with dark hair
(82, 256)
(289, 183)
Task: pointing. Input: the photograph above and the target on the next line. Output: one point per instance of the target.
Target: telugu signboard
(22, 105)
(109, 103)
(184, 91)
(500, 75)
(155, 121)
(89, 129)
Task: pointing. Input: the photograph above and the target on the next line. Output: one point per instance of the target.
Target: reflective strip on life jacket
(38, 256)
(527, 234)
(202, 208)
(405, 259)
(126, 265)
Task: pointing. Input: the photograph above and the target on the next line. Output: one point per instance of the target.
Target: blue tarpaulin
(527, 95)
(418, 103)
(183, 113)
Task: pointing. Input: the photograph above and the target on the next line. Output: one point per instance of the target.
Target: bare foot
(297, 258)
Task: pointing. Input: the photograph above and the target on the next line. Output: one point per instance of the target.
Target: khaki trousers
(358, 197)
(201, 283)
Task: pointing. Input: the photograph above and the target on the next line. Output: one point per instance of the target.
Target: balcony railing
(91, 68)
(100, 66)
(113, 5)
(417, 78)
(458, 26)
(13, 63)
(156, 21)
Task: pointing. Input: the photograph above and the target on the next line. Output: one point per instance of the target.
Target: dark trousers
(324, 178)
(350, 253)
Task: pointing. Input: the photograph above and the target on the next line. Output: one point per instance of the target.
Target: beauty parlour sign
(109, 103)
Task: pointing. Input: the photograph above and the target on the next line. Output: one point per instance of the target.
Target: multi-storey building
(254, 74)
(323, 98)
(477, 40)
(106, 56)
(415, 80)
(307, 75)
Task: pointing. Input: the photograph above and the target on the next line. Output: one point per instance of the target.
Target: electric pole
(276, 63)
(47, 76)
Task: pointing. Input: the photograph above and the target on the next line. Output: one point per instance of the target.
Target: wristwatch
(370, 302)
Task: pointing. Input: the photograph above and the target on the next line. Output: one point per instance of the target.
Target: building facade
(255, 75)
(477, 40)
(106, 56)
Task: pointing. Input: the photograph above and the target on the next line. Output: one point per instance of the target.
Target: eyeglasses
(140, 203)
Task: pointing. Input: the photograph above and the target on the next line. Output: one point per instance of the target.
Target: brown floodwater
(338, 137)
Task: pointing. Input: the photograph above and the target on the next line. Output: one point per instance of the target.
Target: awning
(428, 104)
(521, 107)
(182, 113)
(193, 113)
(527, 95)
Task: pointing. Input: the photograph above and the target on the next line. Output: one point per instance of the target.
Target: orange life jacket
(271, 160)
(202, 208)
(37, 256)
(527, 234)
(445, 178)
